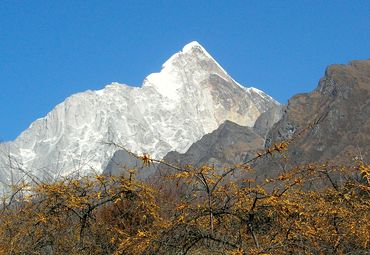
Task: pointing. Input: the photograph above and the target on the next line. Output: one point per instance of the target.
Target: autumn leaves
(316, 208)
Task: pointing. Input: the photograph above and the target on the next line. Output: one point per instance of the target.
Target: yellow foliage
(183, 174)
(208, 212)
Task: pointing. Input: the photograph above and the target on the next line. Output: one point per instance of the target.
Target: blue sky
(52, 49)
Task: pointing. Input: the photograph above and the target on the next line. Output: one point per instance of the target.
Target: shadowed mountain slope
(342, 101)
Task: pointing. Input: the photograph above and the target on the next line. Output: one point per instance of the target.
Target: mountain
(267, 120)
(341, 102)
(190, 97)
(123, 161)
(229, 144)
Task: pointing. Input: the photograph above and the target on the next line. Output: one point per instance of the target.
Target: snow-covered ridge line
(190, 96)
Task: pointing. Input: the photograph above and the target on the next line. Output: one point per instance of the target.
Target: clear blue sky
(52, 49)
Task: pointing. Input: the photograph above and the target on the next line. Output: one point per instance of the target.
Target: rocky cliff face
(191, 96)
(342, 99)
(267, 119)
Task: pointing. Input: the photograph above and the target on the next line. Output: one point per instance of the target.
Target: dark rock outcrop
(227, 145)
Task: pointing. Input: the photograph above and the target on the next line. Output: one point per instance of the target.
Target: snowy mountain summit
(191, 96)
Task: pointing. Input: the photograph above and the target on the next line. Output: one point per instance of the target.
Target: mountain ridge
(338, 110)
(150, 119)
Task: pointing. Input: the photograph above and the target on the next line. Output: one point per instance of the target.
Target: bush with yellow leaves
(193, 211)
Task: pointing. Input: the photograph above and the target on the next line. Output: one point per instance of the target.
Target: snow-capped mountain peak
(190, 96)
(192, 62)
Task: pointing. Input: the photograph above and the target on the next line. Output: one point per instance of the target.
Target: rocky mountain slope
(341, 102)
(191, 96)
(342, 99)
(229, 144)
